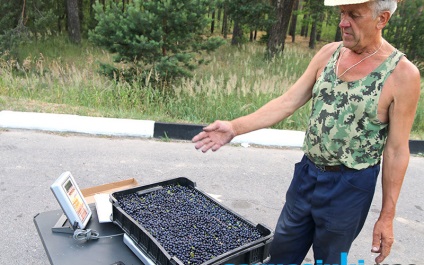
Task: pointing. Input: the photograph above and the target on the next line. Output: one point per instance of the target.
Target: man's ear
(383, 18)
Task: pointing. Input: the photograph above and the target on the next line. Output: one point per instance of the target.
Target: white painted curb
(75, 123)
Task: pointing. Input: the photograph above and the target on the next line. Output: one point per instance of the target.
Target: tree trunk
(74, 30)
(81, 12)
(213, 22)
(313, 37)
(61, 15)
(91, 9)
(321, 17)
(237, 34)
(225, 23)
(23, 14)
(283, 10)
(338, 36)
(305, 26)
(294, 20)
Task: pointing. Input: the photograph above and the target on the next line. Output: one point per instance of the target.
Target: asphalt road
(251, 181)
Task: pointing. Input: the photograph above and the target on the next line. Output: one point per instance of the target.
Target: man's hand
(382, 239)
(214, 136)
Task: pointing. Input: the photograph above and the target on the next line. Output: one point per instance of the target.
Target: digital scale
(76, 210)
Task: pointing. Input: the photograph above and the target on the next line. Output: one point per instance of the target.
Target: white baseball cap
(347, 2)
(344, 2)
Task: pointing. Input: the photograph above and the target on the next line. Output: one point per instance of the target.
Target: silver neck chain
(363, 59)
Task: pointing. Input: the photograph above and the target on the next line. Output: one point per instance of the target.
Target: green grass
(56, 76)
(418, 126)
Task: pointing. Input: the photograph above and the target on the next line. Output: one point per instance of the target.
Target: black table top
(61, 248)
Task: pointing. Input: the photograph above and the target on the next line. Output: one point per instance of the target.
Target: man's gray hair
(380, 6)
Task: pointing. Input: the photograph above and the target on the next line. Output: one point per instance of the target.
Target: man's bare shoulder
(327, 51)
(406, 77)
(405, 66)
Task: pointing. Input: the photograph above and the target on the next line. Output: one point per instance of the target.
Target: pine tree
(160, 37)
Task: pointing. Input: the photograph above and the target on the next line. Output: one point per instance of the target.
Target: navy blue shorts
(325, 210)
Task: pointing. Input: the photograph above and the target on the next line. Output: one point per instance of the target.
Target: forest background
(188, 61)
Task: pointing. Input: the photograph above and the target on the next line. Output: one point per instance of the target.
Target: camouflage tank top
(344, 127)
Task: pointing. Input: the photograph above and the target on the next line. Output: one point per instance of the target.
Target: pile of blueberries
(187, 224)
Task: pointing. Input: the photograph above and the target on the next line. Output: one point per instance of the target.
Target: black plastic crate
(251, 253)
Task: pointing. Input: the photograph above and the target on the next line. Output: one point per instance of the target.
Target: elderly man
(364, 94)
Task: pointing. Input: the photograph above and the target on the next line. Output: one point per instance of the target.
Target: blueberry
(188, 224)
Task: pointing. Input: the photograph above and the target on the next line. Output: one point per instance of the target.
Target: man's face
(357, 25)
